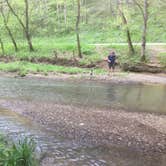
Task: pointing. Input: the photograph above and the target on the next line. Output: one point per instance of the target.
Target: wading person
(111, 61)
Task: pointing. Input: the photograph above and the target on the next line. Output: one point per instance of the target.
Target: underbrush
(162, 59)
(21, 153)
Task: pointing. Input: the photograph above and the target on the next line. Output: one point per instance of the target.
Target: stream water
(145, 98)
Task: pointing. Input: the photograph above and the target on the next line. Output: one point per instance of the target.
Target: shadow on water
(146, 98)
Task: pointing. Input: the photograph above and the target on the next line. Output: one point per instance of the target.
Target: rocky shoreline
(138, 131)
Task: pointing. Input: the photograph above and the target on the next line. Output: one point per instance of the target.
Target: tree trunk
(86, 12)
(26, 26)
(57, 14)
(9, 31)
(111, 8)
(145, 18)
(65, 13)
(12, 38)
(2, 47)
(129, 41)
(77, 29)
(130, 45)
(27, 31)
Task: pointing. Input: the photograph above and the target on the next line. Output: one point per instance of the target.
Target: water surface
(132, 97)
(145, 98)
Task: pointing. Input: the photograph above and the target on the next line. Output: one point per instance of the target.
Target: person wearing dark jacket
(111, 61)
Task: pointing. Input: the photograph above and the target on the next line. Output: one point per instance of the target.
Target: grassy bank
(49, 50)
(17, 154)
(23, 68)
(60, 56)
(62, 48)
(50, 47)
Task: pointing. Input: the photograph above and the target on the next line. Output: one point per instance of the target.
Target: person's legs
(111, 69)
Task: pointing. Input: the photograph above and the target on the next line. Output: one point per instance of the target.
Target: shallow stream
(142, 98)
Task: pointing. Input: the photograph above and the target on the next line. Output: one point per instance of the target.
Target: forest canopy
(100, 21)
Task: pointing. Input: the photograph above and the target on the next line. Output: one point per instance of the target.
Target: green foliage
(125, 58)
(162, 59)
(17, 154)
(98, 22)
(22, 73)
(130, 60)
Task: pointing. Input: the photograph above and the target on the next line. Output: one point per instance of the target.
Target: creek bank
(75, 62)
(117, 77)
(53, 60)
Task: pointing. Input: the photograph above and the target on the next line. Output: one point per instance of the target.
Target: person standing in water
(111, 61)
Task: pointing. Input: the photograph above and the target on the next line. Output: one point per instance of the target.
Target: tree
(2, 46)
(144, 11)
(25, 25)
(5, 21)
(65, 13)
(77, 29)
(129, 41)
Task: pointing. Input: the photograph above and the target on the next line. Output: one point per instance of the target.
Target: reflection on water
(147, 98)
(67, 153)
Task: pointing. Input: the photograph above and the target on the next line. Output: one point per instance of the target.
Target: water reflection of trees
(143, 98)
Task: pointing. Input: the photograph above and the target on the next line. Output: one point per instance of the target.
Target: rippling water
(65, 152)
(147, 98)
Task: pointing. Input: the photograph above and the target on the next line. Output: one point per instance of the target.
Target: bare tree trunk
(26, 26)
(145, 18)
(57, 13)
(77, 30)
(111, 8)
(2, 47)
(65, 13)
(9, 31)
(129, 41)
(86, 12)
(73, 4)
(144, 12)
(27, 31)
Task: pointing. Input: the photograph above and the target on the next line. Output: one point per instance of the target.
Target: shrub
(18, 154)
(162, 59)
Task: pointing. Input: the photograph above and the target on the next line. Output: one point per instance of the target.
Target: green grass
(46, 47)
(65, 48)
(21, 153)
(26, 67)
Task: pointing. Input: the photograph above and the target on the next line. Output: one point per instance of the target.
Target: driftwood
(143, 68)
